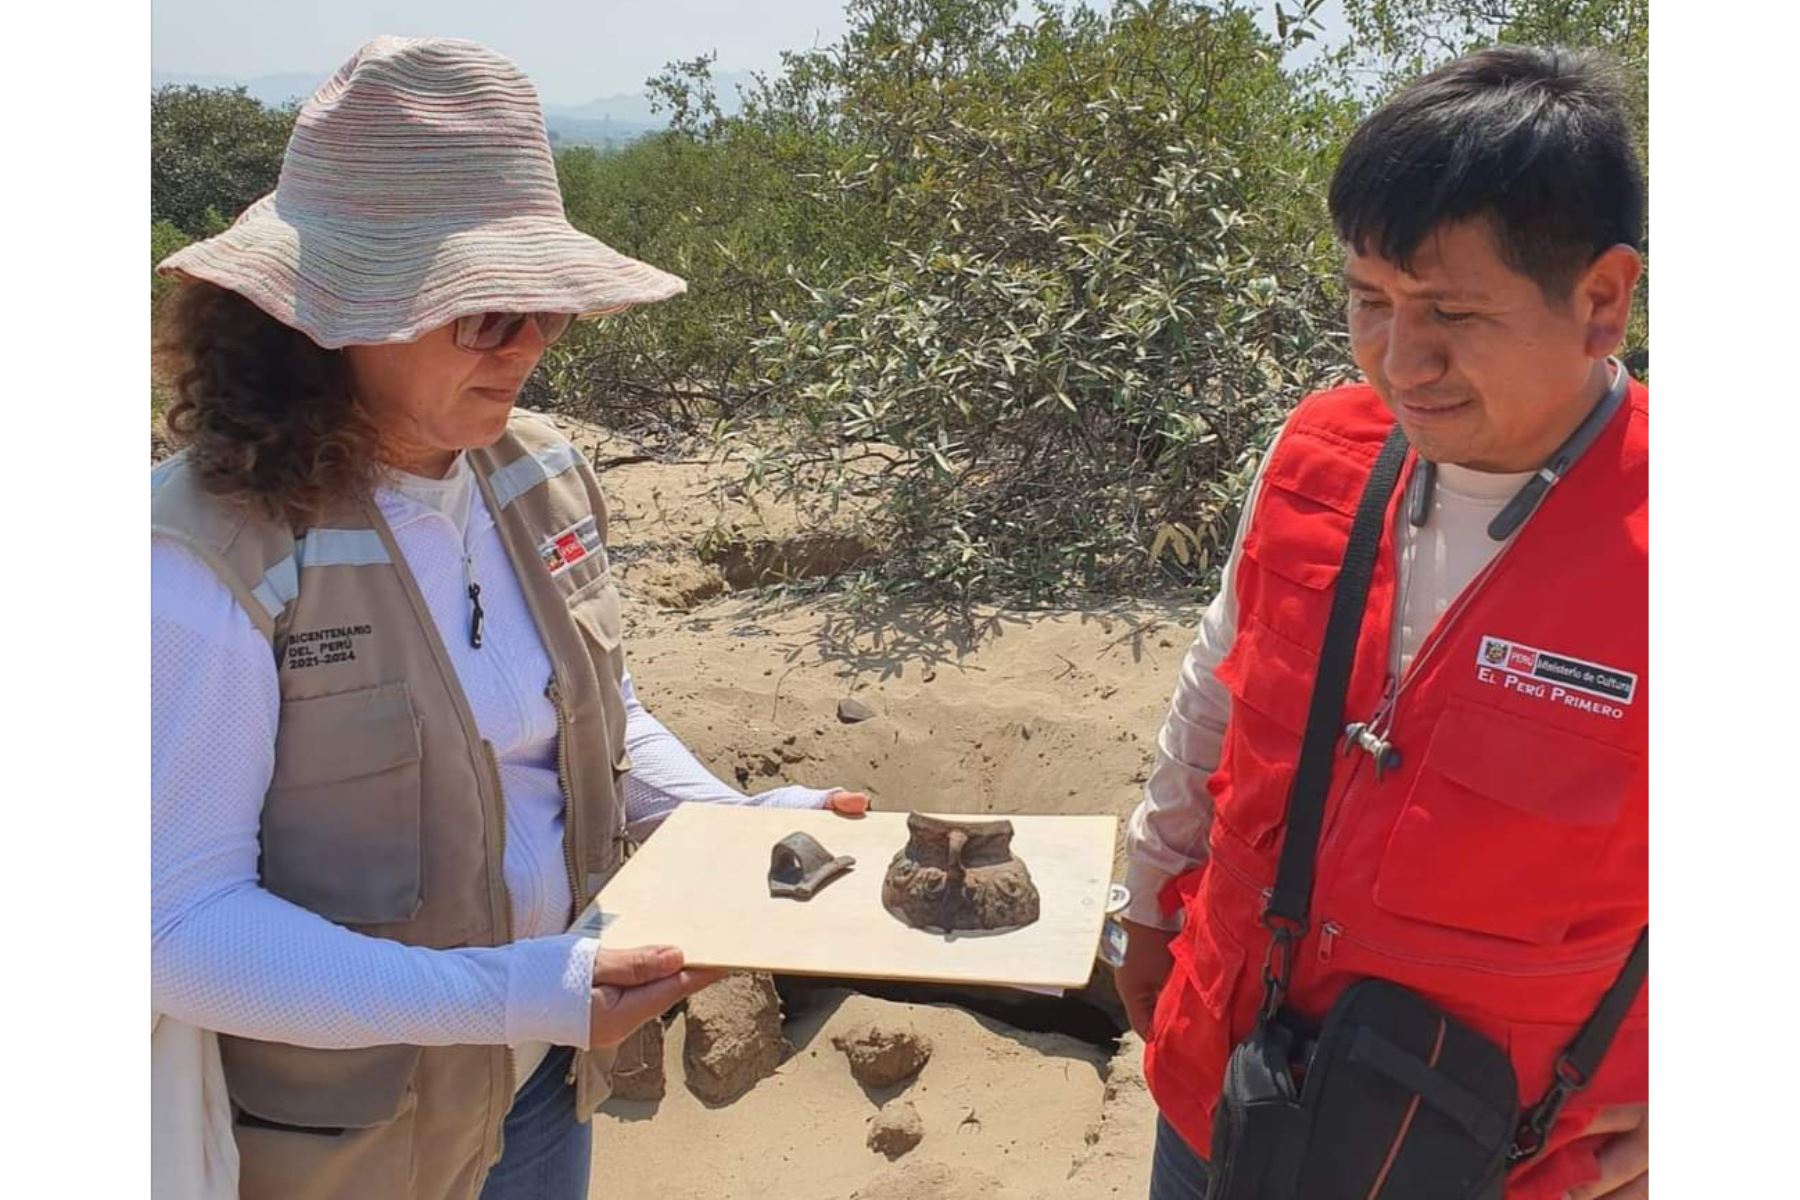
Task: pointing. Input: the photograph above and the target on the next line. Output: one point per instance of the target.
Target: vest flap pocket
(1325, 470)
(1271, 673)
(1540, 806)
(340, 823)
(312, 1089)
(326, 739)
(1506, 758)
(1303, 550)
(596, 611)
(1270, 681)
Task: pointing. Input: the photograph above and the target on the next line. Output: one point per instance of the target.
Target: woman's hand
(638, 985)
(849, 804)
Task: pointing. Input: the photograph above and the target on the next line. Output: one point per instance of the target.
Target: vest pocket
(1291, 557)
(598, 617)
(1191, 1027)
(593, 1079)
(318, 1124)
(340, 823)
(1540, 806)
(317, 1091)
(1270, 681)
(596, 610)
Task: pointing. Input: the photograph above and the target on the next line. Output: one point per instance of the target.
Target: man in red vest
(1485, 830)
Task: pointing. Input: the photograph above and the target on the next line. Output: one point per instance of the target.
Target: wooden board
(701, 883)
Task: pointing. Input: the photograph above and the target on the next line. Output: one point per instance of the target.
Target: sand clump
(734, 1037)
(895, 1129)
(637, 1072)
(882, 1055)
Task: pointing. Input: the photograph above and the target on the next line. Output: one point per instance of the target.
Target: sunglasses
(493, 330)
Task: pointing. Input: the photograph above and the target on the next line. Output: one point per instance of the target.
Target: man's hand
(1140, 977)
(638, 985)
(1624, 1157)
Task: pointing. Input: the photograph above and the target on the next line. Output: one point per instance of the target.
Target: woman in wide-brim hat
(395, 750)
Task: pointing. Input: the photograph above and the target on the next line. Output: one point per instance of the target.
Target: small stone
(896, 1129)
(883, 1055)
(733, 1037)
(851, 711)
(637, 1073)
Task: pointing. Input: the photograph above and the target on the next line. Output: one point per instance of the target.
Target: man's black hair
(1535, 140)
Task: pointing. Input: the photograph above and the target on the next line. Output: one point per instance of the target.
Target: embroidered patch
(563, 550)
(1551, 676)
(322, 647)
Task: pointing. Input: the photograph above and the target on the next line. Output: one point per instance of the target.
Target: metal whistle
(1361, 736)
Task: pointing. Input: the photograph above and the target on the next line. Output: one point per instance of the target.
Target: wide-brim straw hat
(418, 187)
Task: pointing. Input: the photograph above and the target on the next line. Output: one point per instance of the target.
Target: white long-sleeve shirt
(229, 956)
(1167, 832)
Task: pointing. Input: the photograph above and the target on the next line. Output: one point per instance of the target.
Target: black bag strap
(1581, 1058)
(1285, 912)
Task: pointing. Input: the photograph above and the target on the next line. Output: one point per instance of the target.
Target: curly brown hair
(267, 415)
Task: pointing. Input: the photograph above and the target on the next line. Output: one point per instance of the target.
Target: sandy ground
(1007, 1115)
(1052, 712)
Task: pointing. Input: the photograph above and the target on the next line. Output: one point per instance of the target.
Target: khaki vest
(384, 813)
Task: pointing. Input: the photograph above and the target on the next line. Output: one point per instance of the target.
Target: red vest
(1501, 870)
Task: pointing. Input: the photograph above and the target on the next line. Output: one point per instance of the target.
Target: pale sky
(573, 50)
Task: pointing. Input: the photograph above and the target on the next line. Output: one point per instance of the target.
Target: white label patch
(1558, 678)
(563, 550)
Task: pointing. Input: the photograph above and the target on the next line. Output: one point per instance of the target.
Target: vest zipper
(499, 903)
(503, 901)
(1332, 932)
(503, 915)
(554, 693)
(1388, 709)
(1386, 950)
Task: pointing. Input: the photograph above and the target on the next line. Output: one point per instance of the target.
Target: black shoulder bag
(1389, 1097)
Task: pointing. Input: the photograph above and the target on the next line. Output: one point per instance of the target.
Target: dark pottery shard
(959, 875)
(799, 866)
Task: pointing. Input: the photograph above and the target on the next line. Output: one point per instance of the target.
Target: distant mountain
(634, 107)
(272, 90)
(608, 121)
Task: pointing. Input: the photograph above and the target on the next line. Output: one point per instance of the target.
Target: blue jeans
(547, 1151)
(1176, 1172)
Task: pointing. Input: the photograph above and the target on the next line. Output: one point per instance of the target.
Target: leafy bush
(1102, 291)
(728, 206)
(165, 240)
(213, 152)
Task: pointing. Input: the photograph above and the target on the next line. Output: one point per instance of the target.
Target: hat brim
(342, 285)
